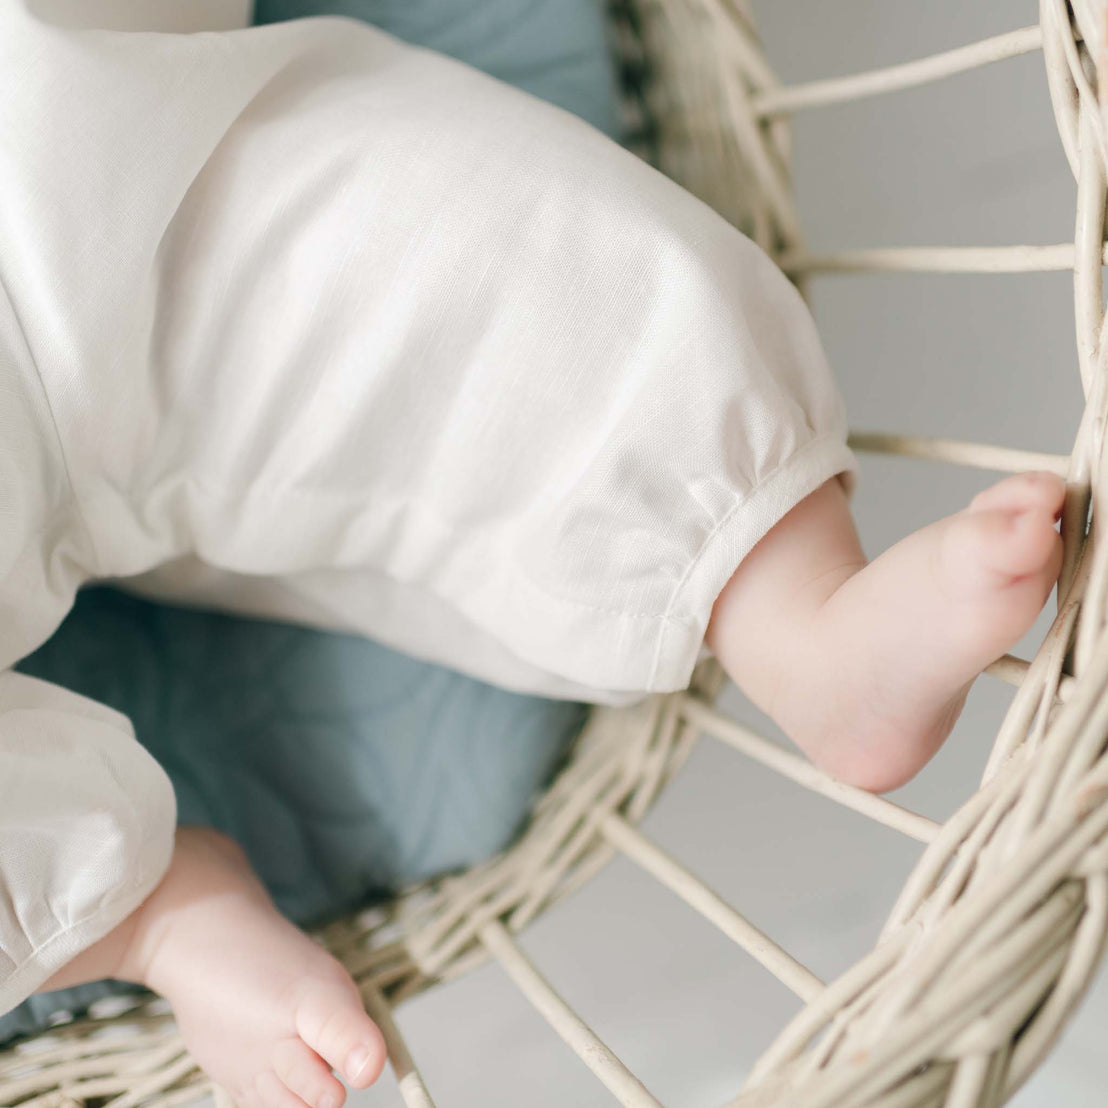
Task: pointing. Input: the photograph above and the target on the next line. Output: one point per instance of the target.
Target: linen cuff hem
(681, 639)
(61, 948)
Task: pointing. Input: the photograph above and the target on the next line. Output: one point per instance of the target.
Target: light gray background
(974, 160)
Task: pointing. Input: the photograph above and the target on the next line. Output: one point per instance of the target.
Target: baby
(346, 333)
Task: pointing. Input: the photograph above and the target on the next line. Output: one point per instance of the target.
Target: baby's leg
(264, 1010)
(866, 667)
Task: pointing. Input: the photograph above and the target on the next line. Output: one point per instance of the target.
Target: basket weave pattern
(1000, 926)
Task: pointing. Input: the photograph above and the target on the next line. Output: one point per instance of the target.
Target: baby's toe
(1020, 543)
(1042, 490)
(332, 1021)
(989, 549)
(273, 1093)
(307, 1075)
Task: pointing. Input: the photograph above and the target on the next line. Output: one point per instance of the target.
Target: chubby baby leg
(266, 1012)
(866, 666)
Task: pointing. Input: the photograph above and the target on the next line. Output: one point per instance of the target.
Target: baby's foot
(876, 660)
(265, 1011)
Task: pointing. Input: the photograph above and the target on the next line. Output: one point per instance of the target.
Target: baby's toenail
(358, 1060)
(327, 1101)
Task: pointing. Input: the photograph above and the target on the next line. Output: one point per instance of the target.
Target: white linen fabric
(304, 322)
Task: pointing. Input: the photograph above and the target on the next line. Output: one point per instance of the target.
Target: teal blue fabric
(344, 768)
(555, 49)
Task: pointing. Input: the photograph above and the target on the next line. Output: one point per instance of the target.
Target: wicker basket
(1001, 924)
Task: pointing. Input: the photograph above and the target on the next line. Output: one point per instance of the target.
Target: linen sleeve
(86, 829)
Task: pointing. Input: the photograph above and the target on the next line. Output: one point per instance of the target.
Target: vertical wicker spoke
(412, 1089)
(976, 455)
(804, 773)
(617, 1078)
(905, 75)
(696, 894)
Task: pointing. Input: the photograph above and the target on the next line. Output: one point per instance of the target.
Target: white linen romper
(300, 321)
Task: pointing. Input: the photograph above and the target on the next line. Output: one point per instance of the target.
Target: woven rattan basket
(1001, 924)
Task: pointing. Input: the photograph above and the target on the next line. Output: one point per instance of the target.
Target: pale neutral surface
(975, 161)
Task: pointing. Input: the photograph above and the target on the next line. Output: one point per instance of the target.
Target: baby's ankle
(205, 864)
(767, 625)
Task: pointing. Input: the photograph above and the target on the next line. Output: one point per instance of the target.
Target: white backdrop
(974, 160)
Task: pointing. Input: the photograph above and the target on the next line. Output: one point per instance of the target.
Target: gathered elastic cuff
(61, 948)
(681, 638)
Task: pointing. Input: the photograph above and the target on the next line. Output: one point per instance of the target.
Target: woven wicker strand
(1002, 922)
(821, 93)
(936, 259)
